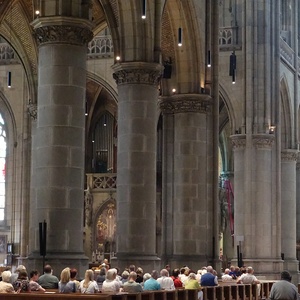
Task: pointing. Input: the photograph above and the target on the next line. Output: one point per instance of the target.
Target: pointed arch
(286, 115)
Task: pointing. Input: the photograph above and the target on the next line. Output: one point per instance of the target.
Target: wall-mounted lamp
(104, 123)
(143, 9)
(173, 91)
(208, 59)
(232, 67)
(86, 108)
(179, 36)
(9, 79)
(272, 129)
(118, 57)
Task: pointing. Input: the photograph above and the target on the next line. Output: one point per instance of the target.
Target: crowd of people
(133, 280)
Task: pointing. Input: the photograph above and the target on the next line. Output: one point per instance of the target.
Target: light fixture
(144, 9)
(86, 108)
(37, 12)
(208, 59)
(232, 66)
(9, 79)
(272, 129)
(104, 123)
(179, 36)
(173, 90)
(118, 57)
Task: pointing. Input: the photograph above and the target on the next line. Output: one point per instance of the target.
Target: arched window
(2, 167)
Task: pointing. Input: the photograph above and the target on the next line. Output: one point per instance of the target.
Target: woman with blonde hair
(88, 285)
(65, 285)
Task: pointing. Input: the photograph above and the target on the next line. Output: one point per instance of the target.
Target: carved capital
(32, 110)
(185, 103)
(137, 73)
(238, 141)
(289, 155)
(263, 141)
(63, 34)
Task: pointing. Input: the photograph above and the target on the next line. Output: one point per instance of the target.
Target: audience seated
(192, 284)
(151, 284)
(73, 274)
(22, 283)
(209, 279)
(166, 282)
(132, 286)
(65, 285)
(226, 277)
(111, 284)
(139, 273)
(33, 285)
(5, 285)
(15, 275)
(176, 279)
(88, 285)
(47, 280)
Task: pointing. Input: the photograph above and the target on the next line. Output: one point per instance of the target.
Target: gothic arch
(286, 115)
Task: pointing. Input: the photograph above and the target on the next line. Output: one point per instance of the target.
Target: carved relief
(238, 141)
(289, 155)
(32, 110)
(143, 76)
(263, 141)
(185, 103)
(63, 34)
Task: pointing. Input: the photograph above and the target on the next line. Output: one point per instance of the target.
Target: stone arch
(286, 115)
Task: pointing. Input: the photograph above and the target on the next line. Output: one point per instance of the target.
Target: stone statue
(88, 204)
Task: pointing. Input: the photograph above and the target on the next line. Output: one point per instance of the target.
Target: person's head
(210, 269)
(89, 275)
(250, 270)
(132, 276)
(73, 273)
(20, 268)
(65, 275)
(132, 268)
(232, 268)
(168, 268)
(47, 269)
(102, 272)
(125, 275)
(164, 272)
(34, 275)
(23, 275)
(285, 275)
(192, 276)
(175, 273)
(154, 274)
(227, 271)
(139, 272)
(146, 276)
(6, 276)
(182, 270)
(111, 274)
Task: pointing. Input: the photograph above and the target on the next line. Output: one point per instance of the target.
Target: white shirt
(166, 283)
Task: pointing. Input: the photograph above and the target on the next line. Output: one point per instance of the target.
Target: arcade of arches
(140, 150)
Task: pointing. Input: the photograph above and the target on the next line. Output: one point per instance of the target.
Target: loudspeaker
(43, 235)
(167, 71)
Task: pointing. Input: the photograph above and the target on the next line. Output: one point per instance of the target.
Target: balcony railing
(102, 182)
(7, 54)
(100, 47)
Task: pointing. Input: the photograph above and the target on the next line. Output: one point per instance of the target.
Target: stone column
(58, 171)
(288, 209)
(187, 173)
(136, 186)
(298, 206)
(256, 222)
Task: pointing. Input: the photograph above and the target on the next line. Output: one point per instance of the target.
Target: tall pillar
(288, 209)
(58, 171)
(298, 206)
(256, 219)
(188, 208)
(136, 186)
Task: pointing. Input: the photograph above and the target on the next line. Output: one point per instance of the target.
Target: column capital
(137, 73)
(289, 155)
(263, 141)
(238, 141)
(181, 103)
(62, 30)
(32, 110)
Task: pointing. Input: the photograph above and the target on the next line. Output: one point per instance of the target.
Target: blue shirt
(151, 285)
(208, 279)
